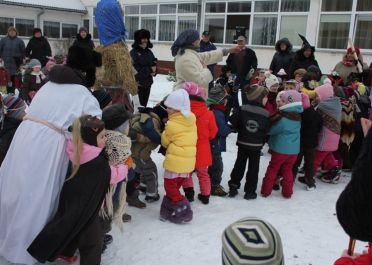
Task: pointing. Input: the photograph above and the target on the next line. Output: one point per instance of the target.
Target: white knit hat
(271, 80)
(179, 100)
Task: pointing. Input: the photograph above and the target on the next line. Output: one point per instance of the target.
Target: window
(86, 24)
(69, 30)
(149, 23)
(131, 10)
(235, 22)
(167, 28)
(267, 6)
(168, 9)
(188, 8)
(131, 24)
(363, 34)
(215, 26)
(239, 7)
(215, 7)
(334, 31)
(332, 5)
(264, 30)
(95, 30)
(295, 5)
(149, 9)
(185, 23)
(25, 27)
(52, 29)
(290, 26)
(5, 23)
(364, 5)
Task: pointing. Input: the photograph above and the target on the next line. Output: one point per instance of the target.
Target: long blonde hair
(77, 142)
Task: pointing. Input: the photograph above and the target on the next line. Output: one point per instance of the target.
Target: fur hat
(179, 100)
(324, 92)
(251, 241)
(103, 98)
(114, 116)
(270, 80)
(15, 107)
(256, 93)
(194, 89)
(139, 35)
(292, 97)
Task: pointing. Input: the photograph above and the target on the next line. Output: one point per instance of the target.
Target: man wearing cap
(243, 65)
(84, 39)
(205, 46)
(38, 47)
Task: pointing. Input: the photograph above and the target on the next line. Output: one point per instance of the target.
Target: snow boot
(203, 198)
(250, 196)
(142, 188)
(233, 190)
(134, 201)
(107, 239)
(332, 176)
(151, 199)
(126, 218)
(177, 213)
(189, 194)
(218, 191)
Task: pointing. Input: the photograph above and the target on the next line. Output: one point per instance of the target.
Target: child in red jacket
(207, 130)
(5, 80)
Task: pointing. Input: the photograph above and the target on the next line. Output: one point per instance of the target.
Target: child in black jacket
(252, 123)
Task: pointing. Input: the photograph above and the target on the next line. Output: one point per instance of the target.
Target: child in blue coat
(284, 142)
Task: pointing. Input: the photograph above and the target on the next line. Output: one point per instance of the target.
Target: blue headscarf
(184, 40)
(110, 23)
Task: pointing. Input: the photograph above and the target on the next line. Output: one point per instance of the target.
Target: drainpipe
(42, 11)
(199, 18)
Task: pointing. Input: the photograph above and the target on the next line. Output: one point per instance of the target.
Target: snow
(65, 4)
(307, 222)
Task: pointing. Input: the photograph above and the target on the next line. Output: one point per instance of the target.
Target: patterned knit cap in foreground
(251, 241)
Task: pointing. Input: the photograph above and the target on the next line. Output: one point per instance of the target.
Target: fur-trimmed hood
(286, 42)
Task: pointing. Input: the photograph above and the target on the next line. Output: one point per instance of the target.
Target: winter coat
(282, 60)
(12, 51)
(218, 144)
(179, 138)
(252, 123)
(5, 80)
(143, 60)
(29, 84)
(39, 48)
(311, 124)
(300, 61)
(285, 134)
(207, 130)
(329, 137)
(344, 71)
(148, 124)
(86, 43)
(189, 67)
(206, 47)
(80, 201)
(354, 205)
(6, 135)
(271, 103)
(250, 60)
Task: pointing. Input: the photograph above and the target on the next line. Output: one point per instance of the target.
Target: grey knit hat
(257, 93)
(217, 93)
(33, 63)
(251, 241)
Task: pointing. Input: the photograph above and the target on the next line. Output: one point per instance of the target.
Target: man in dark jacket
(243, 65)
(84, 39)
(205, 46)
(252, 123)
(283, 57)
(144, 62)
(38, 47)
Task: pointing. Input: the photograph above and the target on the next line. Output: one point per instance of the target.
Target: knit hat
(103, 98)
(194, 89)
(33, 63)
(217, 93)
(251, 241)
(114, 116)
(256, 93)
(185, 39)
(90, 128)
(324, 92)
(50, 63)
(117, 147)
(270, 80)
(36, 30)
(83, 29)
(179, 100)
(291, 97)
(15, 107)
(305, 101)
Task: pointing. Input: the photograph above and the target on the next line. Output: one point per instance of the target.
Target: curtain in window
(5, 23)
(295, 5)
(185, 23)
(167, 28)
(215, 25)
(332, 5)
(131, 24)
(291, 26)
(266, 6)
(334, 31)
(363, 34)
(69, 30)
(168, 9)
(188, 8)
(364, 5)
(264, 30)
(131, 10)
(149, 23)
(51, 29)
(149, 9)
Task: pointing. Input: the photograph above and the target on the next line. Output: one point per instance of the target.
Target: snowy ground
(307, 223)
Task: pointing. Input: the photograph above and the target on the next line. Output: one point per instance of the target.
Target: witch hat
(305, 43)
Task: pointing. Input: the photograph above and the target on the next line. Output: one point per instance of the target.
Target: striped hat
(251, 241)
(15, 107)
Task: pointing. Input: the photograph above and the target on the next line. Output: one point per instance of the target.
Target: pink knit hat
(194, 89)
(291, 97)
(305, 101)
(50, 63)
(324, 91)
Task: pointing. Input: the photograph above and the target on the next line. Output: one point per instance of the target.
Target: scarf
(330, 111)
(282, 114)
(39, 77)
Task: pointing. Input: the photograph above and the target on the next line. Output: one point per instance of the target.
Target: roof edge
(43, 7)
